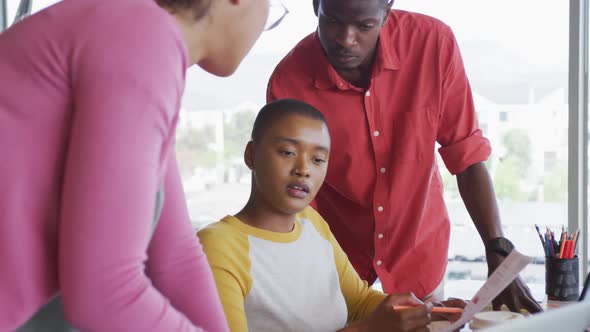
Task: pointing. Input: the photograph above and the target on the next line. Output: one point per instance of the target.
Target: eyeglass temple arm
(275, 24)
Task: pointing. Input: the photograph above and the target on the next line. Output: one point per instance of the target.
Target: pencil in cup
(436, 310)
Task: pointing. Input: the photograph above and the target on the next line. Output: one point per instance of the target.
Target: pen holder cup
(562, 281)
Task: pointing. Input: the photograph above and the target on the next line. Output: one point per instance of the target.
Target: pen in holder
(562, 281)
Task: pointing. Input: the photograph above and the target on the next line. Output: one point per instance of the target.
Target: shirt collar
(327, 77)
(387, 53)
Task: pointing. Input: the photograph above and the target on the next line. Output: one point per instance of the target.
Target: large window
(519, 78)
(516, 54)
(517, 65)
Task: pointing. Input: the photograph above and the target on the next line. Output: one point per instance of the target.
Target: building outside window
(519, 76)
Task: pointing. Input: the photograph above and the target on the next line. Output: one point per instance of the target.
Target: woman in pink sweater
(94, 230)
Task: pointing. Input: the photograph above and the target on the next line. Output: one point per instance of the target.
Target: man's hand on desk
(517, 295)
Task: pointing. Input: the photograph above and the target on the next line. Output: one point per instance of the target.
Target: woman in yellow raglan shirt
(276, 264)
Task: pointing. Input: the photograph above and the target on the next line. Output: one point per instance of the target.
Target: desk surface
(466, 289)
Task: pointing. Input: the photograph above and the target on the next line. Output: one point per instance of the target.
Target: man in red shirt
(391, 84)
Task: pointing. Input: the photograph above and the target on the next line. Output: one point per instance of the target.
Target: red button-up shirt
(383, 194)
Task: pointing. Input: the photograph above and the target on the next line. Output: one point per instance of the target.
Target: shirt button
(380, 208)
(368, 93)
(376, 133)
(378, 262)
(382, 170)
(380, 236)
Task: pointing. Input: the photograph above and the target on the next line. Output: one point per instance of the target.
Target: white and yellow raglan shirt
(296, 281)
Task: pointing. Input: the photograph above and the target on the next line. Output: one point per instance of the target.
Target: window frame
(3, 15)
(578, 127)
(578, 121)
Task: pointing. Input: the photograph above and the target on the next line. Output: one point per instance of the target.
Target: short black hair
(276, 110)
(316, 5)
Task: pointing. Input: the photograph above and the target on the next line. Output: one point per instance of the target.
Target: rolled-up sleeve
(472, 150)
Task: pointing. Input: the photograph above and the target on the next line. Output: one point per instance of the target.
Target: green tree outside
(507, 180)
(193, 149)
(237, 129)
(517, 144)
(514, 166)
(555, 184)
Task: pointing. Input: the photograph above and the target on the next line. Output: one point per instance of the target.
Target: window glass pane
(11, 6)
(37, 5)
(41, 4)
(518, 72)
(217, 118)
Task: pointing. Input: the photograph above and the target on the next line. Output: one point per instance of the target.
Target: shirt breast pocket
(414, 135)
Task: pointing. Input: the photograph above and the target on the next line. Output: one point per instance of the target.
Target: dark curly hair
(316, 5)
(199, 7)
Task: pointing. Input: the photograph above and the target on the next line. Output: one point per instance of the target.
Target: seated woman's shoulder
(220, 231)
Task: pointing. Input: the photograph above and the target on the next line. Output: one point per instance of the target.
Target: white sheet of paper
(502, 277)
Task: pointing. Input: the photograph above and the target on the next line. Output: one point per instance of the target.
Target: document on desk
(496, 283)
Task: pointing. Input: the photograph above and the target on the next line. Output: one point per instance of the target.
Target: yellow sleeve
(227, 252)
(360, 299)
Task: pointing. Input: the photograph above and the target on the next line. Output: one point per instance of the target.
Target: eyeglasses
(276, 13)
